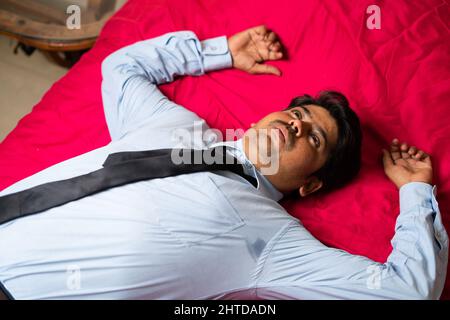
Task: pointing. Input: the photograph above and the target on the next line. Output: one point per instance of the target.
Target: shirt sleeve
(300, 267)
(131, 75)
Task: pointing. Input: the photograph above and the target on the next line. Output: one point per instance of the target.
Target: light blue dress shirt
(206, 235)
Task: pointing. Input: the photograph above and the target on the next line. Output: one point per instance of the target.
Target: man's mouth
(282, 135)
(282, 132)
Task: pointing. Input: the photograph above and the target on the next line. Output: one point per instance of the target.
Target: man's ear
(312, 184)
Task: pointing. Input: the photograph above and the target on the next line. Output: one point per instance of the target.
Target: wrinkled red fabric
(396, 78)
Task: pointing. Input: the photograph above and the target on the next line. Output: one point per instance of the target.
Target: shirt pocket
(194, 209)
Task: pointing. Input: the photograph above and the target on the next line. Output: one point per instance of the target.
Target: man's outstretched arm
(299, 266)
(131, 74)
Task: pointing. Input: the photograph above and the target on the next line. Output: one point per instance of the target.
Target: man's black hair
(344, 160)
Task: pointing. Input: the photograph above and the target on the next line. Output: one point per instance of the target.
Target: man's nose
(297, 126)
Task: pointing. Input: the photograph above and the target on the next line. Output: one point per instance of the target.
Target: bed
(397, 79)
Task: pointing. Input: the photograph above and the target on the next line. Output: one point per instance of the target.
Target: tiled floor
(23, 81)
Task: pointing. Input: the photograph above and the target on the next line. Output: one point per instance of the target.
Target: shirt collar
(236, 149)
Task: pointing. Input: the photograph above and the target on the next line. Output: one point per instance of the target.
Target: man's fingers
(275, 52)
(275, 46)
(426, 158)
(265, 68)
(260, 30)
(404, 147)
(264, 53)
(412, 150)
(387, 159)
(268, 45)
(275, 55)
(406, 152)
(267, 53)
(405, 155)
(399, 150)
(271, 37)
(395, 150)
(423, 156)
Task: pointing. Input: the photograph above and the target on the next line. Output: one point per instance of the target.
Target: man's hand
(404, 164)
(250, 48)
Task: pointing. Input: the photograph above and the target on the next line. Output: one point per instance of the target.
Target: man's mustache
(291, 131)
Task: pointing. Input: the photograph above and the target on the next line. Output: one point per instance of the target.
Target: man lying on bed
(214, 234)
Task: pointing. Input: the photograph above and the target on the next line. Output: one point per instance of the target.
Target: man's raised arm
(131, 74)
(299, 266)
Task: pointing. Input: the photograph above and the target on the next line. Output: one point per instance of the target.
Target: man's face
(302, 138)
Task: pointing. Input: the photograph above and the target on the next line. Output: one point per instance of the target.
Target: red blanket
(397, 79)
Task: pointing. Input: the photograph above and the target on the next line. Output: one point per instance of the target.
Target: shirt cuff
(216, 54)
(417, 194)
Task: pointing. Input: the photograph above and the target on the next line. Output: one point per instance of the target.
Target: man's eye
(316, 140)
(297, 113)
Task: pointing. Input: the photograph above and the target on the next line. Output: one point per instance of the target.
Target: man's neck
(246, 147)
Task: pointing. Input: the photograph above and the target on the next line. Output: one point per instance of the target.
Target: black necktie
(119, 169)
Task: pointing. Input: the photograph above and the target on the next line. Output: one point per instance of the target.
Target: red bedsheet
(397, 79)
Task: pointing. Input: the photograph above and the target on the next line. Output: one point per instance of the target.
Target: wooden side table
(42, 24)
